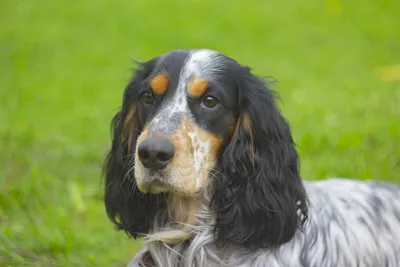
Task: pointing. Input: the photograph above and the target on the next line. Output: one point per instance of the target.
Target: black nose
(156, 152)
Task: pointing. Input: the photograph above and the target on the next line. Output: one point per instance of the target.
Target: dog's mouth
(154, 187)
(157, 186)
(177, 181)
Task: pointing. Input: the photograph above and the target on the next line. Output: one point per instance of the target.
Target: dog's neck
(181, 220)
(183, 228)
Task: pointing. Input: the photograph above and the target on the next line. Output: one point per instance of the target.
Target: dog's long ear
(131, 210)
(260, 199)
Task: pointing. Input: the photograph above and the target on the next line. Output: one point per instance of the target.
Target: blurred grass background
(64, 65)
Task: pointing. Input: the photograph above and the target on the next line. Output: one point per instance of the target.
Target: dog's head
(195, 121)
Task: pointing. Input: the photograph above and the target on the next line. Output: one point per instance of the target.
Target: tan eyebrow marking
(159, 83)
(197, 87)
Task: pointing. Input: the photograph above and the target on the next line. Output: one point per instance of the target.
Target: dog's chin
(153, 187)
(157, 182)
(159, 186)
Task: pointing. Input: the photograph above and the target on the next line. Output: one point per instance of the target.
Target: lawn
(63, 67)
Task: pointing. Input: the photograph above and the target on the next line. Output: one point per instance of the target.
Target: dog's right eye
(148, 98)
(210, 102)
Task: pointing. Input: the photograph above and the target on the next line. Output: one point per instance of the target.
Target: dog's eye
(210, 101)
(148, 98)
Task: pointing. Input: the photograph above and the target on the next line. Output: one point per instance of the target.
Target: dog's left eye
(148, 98)
(210, 102)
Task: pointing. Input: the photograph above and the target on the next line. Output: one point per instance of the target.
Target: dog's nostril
(156, 152)
(164, 156)
(144, 154)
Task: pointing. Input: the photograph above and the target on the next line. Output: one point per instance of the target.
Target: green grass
(64, 64)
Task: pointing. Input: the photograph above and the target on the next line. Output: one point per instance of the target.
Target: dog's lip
(154, 187)
(158, 187)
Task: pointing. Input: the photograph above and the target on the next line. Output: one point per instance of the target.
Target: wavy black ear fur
(130, 210)
(258, 197)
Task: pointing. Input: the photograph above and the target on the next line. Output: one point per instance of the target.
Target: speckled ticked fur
(233, 195)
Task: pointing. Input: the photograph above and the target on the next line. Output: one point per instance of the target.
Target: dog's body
(204, 166)
(351, 223)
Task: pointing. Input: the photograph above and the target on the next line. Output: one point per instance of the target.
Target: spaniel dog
(204, 167)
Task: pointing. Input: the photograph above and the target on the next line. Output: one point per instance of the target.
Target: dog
(203, 166)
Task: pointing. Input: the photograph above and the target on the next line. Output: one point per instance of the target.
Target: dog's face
(194, 118)
(187, 107)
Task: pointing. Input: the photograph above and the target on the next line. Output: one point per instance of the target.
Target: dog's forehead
(202, 64)
(182, 67)
(197, 63)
